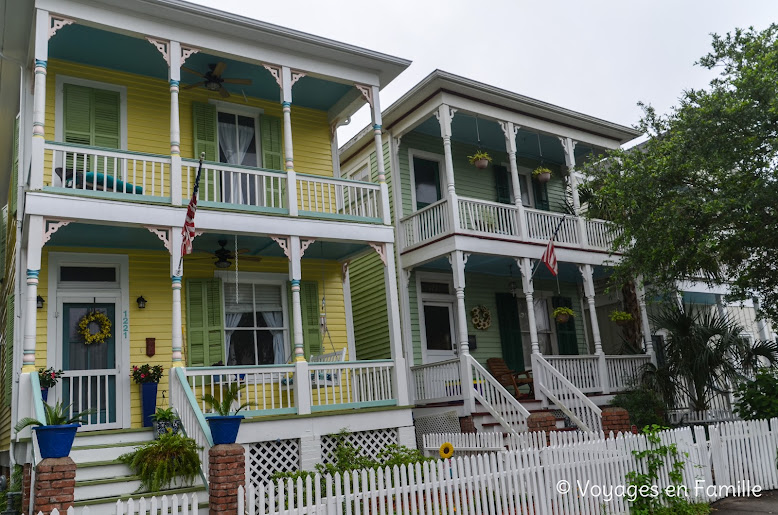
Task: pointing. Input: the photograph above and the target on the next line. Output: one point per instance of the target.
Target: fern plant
(160, 463)
(229, 396)
(57, 415)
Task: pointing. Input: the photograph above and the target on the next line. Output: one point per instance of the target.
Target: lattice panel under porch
(446, 422)
(369, 443)
(264, 459)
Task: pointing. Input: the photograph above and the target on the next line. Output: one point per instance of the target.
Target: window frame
(256, 278)
(428, 156)
(59, 105)
(240, 110)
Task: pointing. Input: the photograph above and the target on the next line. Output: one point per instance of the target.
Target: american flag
(549, 258)
(188, 231)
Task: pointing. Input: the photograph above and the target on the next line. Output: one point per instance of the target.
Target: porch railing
(582, 371)
(541, 226)
(182, 398)
(236, 185)
(81, 168)
(426, 224)
(437, 382)
(498, 401)
(266, 389)
(488, 217)
(600, 233)
(328, 196)
(351, 384)
(624, 371)
(565, 395)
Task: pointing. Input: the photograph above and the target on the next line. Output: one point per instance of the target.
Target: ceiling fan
(225, 257)
(213, 80)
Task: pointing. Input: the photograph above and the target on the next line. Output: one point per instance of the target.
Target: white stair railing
(565, 395)
(183, 400)
(503, 406)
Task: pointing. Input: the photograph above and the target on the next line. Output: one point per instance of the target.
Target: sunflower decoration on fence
(446, 450)
(94, 327)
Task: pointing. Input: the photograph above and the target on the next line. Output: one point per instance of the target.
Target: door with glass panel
(238, 146)
(439, 334)
(91, 371)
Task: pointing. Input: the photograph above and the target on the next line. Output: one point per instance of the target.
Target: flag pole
(553, 237)
(194, 198)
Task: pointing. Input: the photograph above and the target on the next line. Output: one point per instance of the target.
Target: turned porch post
(176, 193)
(445, 114)
(395, 332)
(568, 145)
(291, 175)
(42, 34)
(510, 132)
(34, 245)
(458, 260)
(588, 284)
(375, 112)
(649, 343)
(176, 274)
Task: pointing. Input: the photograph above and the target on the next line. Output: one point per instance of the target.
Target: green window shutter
(105, 118)
(10, 319)
(3, 240)
(77, 114)
(309, 303)
(204, 322)
(15, 167)
(272, 148)
(567, 339)
(541, 195)
(502, 181)
(204, 129)
(510, 331)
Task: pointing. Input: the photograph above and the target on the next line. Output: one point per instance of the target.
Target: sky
(598, 57)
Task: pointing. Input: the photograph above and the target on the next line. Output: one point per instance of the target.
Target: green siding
(415, 327)
(368, 301)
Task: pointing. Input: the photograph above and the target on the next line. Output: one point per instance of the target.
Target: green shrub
(160, 463)
(645, 406)
(758, 398)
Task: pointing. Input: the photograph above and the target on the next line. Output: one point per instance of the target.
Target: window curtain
(276, 319)
(235, 151)
(230, 320)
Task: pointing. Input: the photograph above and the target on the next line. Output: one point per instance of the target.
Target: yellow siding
(150, 277)
(148, 116)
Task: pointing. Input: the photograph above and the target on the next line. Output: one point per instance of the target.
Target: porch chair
(321, 379)
(511, 379)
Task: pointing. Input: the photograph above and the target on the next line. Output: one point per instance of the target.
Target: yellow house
(121, 102)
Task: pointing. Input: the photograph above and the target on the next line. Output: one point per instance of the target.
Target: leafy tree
(758, 398)
(704, 354)
(700, 195)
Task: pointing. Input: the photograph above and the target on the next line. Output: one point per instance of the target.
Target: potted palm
(620, 317)
(147, 376)
(562, 314)
(225, 423)
(480, 159)
(55, 433)
(48, 377)
(542, 174)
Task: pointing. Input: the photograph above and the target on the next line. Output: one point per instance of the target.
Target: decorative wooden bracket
(465, 255)
(381, 249)
(283, 242)
(275, 71)
(162, 46)
(304, 244)
(344, 271)
(407, 276)
(163, 233)
(186, 52)
(56, 23)
(52, 226)
(367, 92)
(296, 75)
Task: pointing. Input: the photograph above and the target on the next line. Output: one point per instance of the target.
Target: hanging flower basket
(480, 159)
(562, 314)
(542, 174)
(621, 318)
(94, 327)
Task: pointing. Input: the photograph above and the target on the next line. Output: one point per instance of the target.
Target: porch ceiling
(504, 266)
(95, 47)
(463, 128)
(81, 235)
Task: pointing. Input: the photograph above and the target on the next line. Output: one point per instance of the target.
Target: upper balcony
(128, 97)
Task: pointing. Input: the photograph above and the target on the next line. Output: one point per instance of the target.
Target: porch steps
(101, 480)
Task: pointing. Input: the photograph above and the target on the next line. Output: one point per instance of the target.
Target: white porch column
(34, 244)
(568, 145)
(291, 176)
(588, 284)
(510, 132)
(176, 192)
(395, 332)
(445, 114)
(39, 100)
(458, 260)
(295, 275)
(762, 325)
(525, 267)
(649, 343)
(375, 112)
(176, 273)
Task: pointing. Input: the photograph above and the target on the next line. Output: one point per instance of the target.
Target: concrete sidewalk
(767, 503)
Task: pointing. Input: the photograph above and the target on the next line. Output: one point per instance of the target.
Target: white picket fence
(164, 505)
(579, 474)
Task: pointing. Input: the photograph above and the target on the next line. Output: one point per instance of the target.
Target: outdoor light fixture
(39, 302)
(141, 302)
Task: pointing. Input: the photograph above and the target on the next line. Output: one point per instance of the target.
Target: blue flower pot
(55, 441)
(148, 402)
(45, 394)
(224, 429)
